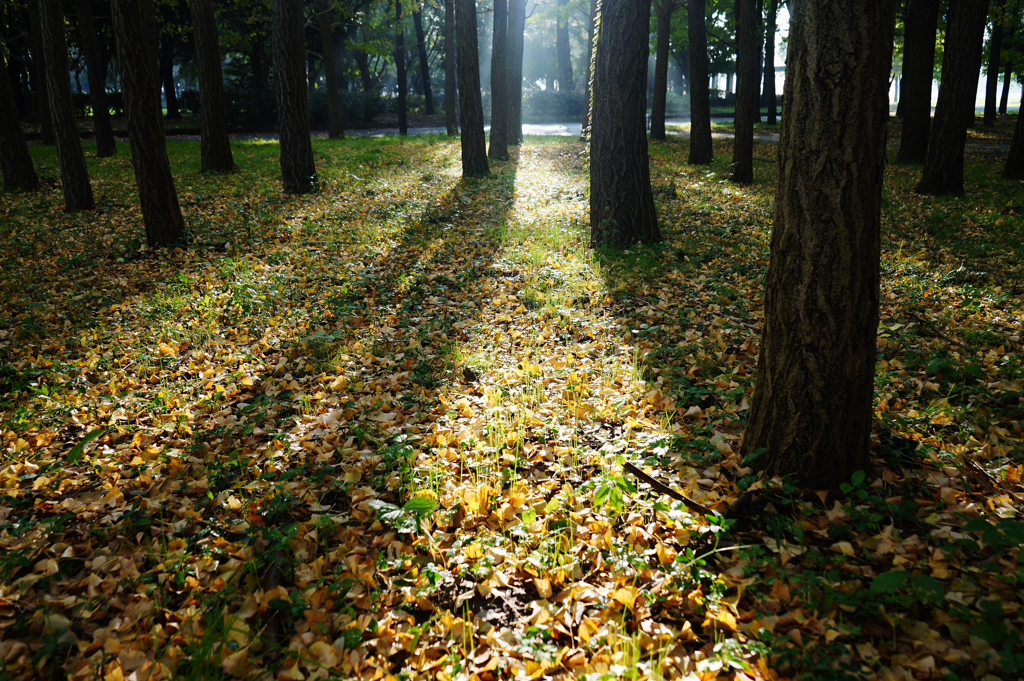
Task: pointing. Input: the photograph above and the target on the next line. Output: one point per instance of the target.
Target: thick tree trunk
(954, 112)
(298, 170)
(1014, 168)
(622, 209)
(562, 47)
(471, 110)
(421, 47)
(167, 75)
(403, 81)
(499, 83)
(663, 14)
(39, 78)
(587, 103)
(97, 72)
(769, 64)
(335, 127)
(994, 62)
(74, 175)
(812, 406)
(451, 89)
(748, 52)
(916, 88)
(215, 146)
(157, 196)
(514, 68)
(701, 150)
(15, 161)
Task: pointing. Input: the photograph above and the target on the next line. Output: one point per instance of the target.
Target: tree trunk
(471, 110)
(562, 47)
(812, 407)
(1012, 44)
(215, 146)
(97, 72)
(769, 64)
(157, 196)
(363, 64)
(403, 82)
(514, 67)
(961, 63)
(1014, 168)
(39, 85)
(258, 62)
(167, 75)
(587, 104)
(701, 150)
(15, 161)
(918, 71)
(335, 127)
(74, 175)
(622, 209)
(663, 14)
(421, 47)
(451, 89)
(748, 51)
(499, 83)
(994, 62)
(298, 170)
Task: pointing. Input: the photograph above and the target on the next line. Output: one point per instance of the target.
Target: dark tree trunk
(97, 72)
(74, 176)
(812, 406)
(622, 209)
(298, 170)
(564, 53)
(769, 64)
(39, 78)
(499, 83)
(363, 63)
(157, 196)
(994, 61)
(587, 103)
(258, 61)
(514, 66)
(701, 150)
(215, 147)
(403, 82)
(748, 53)
(421, 47)
(1012, 43)
(1004, 99)
(916, 86)
(167, 75)
(15, 161)
(663, 13)
(471, 110)
(1014, 168)
(335, 127)
(451, 89)
(954, 112)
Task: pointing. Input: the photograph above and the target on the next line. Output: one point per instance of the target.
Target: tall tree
(701, 150)
(15, 161)
(562, 48)
(585, 127)
(214, 147)
(812, 406)
(298, 169)
(97, 72)
(514, 67)
(954, 112)
(748, 52)
(995, 47)
(421, 48)
(1013, 44)
(471, 110)
(918, 71)
(622, 209)
(403, 81)
(335, 127)
(166, 65)
(663, 10)
(74, 175)
(39, 86)
(1014, 168)
(451, 90)
(499, 83)
(769, 63)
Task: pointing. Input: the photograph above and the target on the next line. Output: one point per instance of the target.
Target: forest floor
(413, 427)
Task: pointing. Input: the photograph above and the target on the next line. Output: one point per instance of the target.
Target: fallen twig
(662, 488)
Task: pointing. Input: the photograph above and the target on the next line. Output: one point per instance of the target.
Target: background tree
(769, 63)
(1013, 43)
(585, 127)
(748, 51)
(97, 70)
(39, 80)
(165, 62)
(500, 92)
(421, 48)
(298, 170)
(74, 176)
(215, 146)
(916, 84)
(15, 161)
(813, 399)
(622, 209)
(701, 150)
(663, 10)
(994, 62)
(562, 48)
(335, 127)
(157, 195)
(1014, 168)
(403, 81)
(954, 112)
(471, 110)
(451, 102)
(514, 69)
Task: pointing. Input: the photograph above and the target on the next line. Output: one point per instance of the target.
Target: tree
(769, 63)
(403, 81)
(954, 112)
(701, 150)
(499, 83)
(157, 195)
(514, 69)
(335, 127)
(585, 127)
(15, 161)
(562, 48)
(421, 47)
(994, 62)
(298, 170)
(215, 147)
(622, 209)
(748, 51)
(451, 94)
(74, 176)
(166, 65)
(813, 398)
(1014, 168)
(663, 10)
(42, 98)
(1013, 44)
(97, 71)
(471, 110)
(916, 85)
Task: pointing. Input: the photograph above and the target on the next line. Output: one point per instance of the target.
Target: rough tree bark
(514, 67)
(701, 150)
(421, 47)
(215, 146)
(585, 127)
(166, 62)
(335, 127)
(298, 170)
(994, 62)
(748, 52)
(157, 196)
(97, 72)
(918, 71)
(403, 81)
(663, 10)
(1014, 168)
(498, 149)
(15, 161)
(769, 64)
(74, 176)
(42, 97)
(812, 406)
(451, 89)
(622, 209)
(471, 110)
(562, 48)
(954, 112)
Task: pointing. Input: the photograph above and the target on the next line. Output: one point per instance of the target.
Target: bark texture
(215, 146)
(769, 64)
(954, 111)
(514, 65)
(587, 103)
(39, 86)
(498, 149)
(451, 89)
(421, 47)
(96, 69)
(663, 10)
(748, 52)
(562, 48)
(622, 209)
(298, 170)
(403, 81)
(916, 84)
(994, 62)
(157, 195)
(335, 126)
(1014, 168)
(15, 161)
(813, 399)
(471, 110)
(74, 176)
(701, 151)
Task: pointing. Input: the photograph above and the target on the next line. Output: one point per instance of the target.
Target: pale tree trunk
(403, 81)
(97, 72)
(587, 94)
(701, 149)
(298, 169)
(918, 69)
(335, 127)
(471, 110)
(514, 70)
(214, 146)
(562, 48)
(15, 161)
(499, 83)
(421, 47)
(748, 51)
(451, 88)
